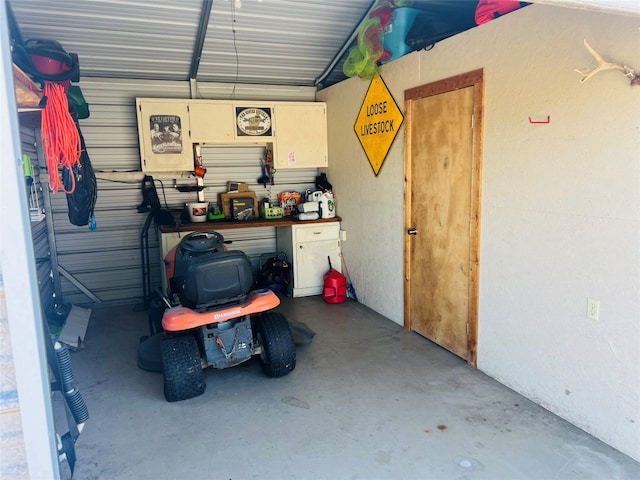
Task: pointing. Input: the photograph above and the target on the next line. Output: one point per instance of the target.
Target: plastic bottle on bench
(327, 205)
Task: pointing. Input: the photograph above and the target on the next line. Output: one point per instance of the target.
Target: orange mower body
(215, 318)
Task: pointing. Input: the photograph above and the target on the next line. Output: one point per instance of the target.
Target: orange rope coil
(60, 138)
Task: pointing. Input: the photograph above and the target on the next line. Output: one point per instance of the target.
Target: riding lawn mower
(214, 318)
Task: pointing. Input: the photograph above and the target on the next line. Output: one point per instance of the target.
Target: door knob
(412, 231)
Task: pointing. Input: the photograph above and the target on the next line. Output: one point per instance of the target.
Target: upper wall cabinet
(297, 131)
(210, 122)
(163, 130)
(301, 135)
(226, 122)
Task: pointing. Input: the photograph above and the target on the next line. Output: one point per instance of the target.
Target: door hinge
(472, 121)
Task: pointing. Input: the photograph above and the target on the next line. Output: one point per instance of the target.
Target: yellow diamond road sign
(378, 123)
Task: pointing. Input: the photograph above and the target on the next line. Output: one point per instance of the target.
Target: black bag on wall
(82, 200)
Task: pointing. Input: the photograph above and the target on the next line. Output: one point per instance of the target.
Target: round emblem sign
(254, 121)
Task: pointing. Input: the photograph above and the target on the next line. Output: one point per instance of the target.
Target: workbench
(307, 244)
(234, 224)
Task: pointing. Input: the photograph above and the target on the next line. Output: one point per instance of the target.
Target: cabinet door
(163, 130)
(211, 122)
(316, 232)
(301, 135)
(311, 263)
(253, 122)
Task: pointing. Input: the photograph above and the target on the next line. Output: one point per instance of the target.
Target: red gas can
(335, 287)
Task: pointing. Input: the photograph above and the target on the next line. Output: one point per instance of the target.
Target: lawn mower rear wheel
(183, 376)
(278, 356)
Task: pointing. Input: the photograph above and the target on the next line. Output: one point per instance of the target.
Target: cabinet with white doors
(301, 135)
(308, 248)
(169, 128)
(164, 134)
(210, 122)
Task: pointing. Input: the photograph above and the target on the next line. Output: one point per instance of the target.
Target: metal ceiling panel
(274, 42)
(278, 42)
(117, 38)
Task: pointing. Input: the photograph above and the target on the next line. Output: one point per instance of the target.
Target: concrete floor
(368, 400)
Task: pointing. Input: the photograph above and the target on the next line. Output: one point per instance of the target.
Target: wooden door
(442, 213)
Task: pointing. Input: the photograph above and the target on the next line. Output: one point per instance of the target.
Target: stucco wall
(560, 209)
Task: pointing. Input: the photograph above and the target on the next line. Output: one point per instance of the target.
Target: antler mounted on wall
(604, 65)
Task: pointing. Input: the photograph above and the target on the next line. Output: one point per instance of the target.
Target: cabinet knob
(412, 231)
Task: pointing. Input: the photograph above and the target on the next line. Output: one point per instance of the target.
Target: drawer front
(317, 232)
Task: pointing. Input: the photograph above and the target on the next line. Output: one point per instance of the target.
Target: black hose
(77, 406)
(64, 365)
(72, 395)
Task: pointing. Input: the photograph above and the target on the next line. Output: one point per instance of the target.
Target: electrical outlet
(593, 309)
(343, 235)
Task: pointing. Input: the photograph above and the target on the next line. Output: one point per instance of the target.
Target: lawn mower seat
(204, 274)
(215, 278)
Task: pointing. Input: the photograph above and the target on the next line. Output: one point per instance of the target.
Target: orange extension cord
(60, 138)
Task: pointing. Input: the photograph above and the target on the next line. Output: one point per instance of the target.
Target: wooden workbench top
(232, 224)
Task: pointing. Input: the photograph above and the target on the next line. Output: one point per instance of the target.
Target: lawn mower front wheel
(182, 370)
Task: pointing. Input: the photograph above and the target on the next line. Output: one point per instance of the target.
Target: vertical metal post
(51, 233)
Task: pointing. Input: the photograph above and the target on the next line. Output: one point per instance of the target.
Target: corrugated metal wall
(108, 261)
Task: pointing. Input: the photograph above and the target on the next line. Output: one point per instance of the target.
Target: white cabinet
(211, 122)
(253, 122)
(301, 135)
(309, 248)
(223, 122)
(168, 129)
(163, 130)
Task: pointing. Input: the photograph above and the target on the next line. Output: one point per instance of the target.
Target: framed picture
(166, 134)
(253, 122)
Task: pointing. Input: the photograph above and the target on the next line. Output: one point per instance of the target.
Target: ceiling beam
(200, 36)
